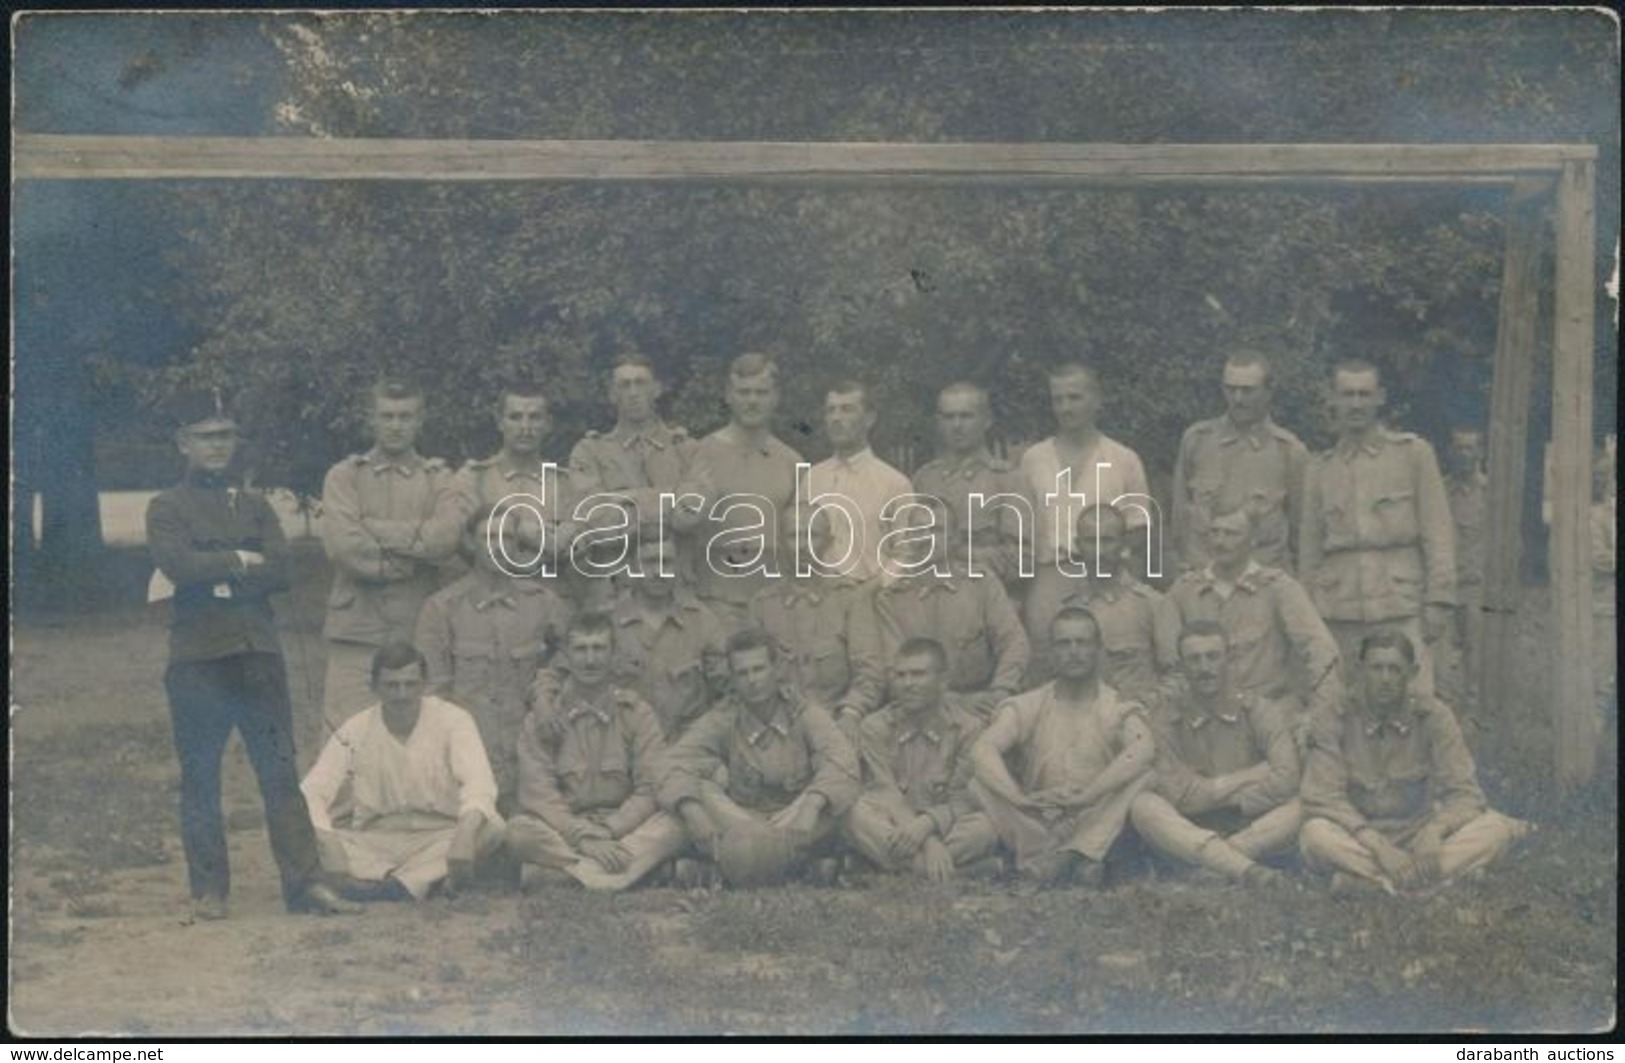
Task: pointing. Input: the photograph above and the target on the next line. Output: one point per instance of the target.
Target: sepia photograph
(837, 523)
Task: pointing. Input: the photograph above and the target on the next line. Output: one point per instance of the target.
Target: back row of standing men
(1369, 518)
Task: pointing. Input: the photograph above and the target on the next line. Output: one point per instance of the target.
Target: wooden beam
(54, 156)
(1574, 708)
(1511, 382)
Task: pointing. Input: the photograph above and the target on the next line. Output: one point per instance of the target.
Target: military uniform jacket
(666, 662)
(640, 464)
(923, 762)
(482, 483)
(827, 637)
(1396, 774)
(485, 644)
(725, 466)
(1222, 468)
(590, 756)
(1268, 620)
(1377, 541)
(766, 765)
(993, 530)
(374, 510)
(221, 607)
(1195, 746)
(973, 620)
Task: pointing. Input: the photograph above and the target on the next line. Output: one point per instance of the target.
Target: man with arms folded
(824, 624)
(1278, 643)
(762, 781)
(1138, 627)
(1000, 529)
(486, 636)
(1390, 792)
(589, 762)
(971, 619)
(402, 797)
(223, 550)
(374, 508)
(862, 483)
(917, 813)
(1082, 753)
(1240, 460)
(1225, 792)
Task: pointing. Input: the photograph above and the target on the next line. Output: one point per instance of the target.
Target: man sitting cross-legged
(589, 760)
(763, 779)
(918, 813)
(1389, 787)
(1082, 754)
(1227, 776)
(402, 797)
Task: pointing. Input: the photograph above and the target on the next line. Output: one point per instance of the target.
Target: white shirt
(1111, 471)
(440, 769)
(866, 484)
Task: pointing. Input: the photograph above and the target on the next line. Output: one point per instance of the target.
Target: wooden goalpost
(1555, 181)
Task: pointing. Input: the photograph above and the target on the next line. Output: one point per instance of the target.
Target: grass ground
(98, 898)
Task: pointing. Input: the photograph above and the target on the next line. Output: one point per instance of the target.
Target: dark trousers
(249, 692)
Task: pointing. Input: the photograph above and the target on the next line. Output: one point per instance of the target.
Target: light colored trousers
(873, 820)
(1168, 831)
(650, 844)
(1088, 831)
(1474, 844)
(414, 856)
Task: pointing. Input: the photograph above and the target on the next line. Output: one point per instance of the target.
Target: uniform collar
(1255, 437)
(1195, 721)
(793, 591)
(936, 724)
(1247, 580)
(856, 461)
(598, 707)
(1400, 723)
(970, 464)
(733, 435)
(683, 601)
(407, 464)
(483, 598)
(505, 468)
(1370, 446)
(649, 435)
(784, 713)
(209, 481)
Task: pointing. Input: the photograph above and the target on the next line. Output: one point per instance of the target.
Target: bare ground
(99, 943)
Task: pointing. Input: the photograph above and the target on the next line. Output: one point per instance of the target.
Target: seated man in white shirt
(402, 798)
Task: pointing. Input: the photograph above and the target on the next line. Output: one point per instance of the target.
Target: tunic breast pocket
(1396, 513)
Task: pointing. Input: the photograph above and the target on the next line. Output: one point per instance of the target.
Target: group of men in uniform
(692, 674)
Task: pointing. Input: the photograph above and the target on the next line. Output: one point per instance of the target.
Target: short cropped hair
(1076, 612)
(849, 386)
(1243, 511)
(1102, 510)
(593, 623)
(521, 389)
(1389, 640)
(632, 359)
(1202, 629)
(395, 388)
(924, 647)
(976, 391)
(395, 655)
(1071, 369)
(1355, 366)
(754, 363)
(1246, 359)
(752, 638)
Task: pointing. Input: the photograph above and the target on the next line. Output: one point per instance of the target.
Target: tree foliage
(307, 291)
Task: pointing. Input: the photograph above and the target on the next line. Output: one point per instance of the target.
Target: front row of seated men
(766, 784)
